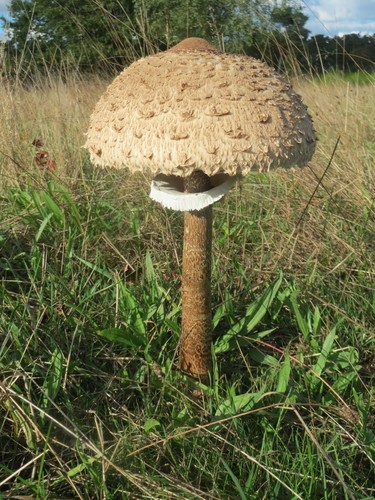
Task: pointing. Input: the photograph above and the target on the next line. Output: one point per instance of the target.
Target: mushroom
(196, 119)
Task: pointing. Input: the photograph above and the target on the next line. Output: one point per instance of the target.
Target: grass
(93, 405)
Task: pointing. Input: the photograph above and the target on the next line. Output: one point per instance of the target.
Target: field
(92, 403)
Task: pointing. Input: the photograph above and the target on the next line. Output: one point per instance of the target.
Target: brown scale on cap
(194, 44)
(188, 102)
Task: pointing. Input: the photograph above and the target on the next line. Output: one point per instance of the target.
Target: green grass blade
(94, 267)
(284, 374)
(326, 349)
(43, 226)
(52, 205)
(253, 316)
(122, 336)
(239, 403)
(302, 323)
(235, 480)
(53, 379)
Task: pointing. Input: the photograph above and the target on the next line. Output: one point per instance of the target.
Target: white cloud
(3, 5)
(330, 17)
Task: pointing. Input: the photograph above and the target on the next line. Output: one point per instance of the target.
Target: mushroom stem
(195, 343)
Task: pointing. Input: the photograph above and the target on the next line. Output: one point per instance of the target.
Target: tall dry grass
(307, 206)
(344, 110)
(55, 112)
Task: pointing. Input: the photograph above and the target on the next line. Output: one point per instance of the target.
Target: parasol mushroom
(196, 119)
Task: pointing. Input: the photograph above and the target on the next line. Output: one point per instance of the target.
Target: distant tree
(167, 22)
(356, 52)
(351, 52)
(235, 25)
(84, 32)
(322, 52)
(93, 34)
(288, 36)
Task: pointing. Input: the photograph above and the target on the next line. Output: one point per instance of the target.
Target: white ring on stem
(168, 190)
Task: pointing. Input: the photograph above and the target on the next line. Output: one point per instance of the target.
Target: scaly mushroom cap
(193, 107)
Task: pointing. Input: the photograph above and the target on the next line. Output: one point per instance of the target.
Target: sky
(327, 17)
(338, 17)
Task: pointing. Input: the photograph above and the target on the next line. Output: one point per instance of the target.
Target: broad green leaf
(219, 313)
(265, 359)
(174, 312)
(340, 385)
(134, 319)
(172, 325)
(43, 226)
(86, 464)
(150, 424)
(258, 309)
(52, 381)
(261, 335)
(54, 208)
(227, 342)
(37, 202)
(284, 373)
(326, 349)
(151, 311)
(149, 267)
(138, 323)
(23, 199)
(254, 314)
(302, 323)
(76, 470)
(345, 359)
(68, 199)
(129, 300)
(146, 354)
(239, 403)
(122, 336)
(317, 321)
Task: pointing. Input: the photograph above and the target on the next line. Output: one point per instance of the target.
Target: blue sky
(328, 17)
(332, 17)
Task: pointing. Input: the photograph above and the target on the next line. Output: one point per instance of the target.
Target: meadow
(92, 402)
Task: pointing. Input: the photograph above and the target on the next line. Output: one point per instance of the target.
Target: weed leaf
(150, 424)
(264, 359)
(284, 373)
(52, 381)
(239, 403)
(43, 226)
(323, 356)
(254, 314)
(302, 323)
(55, 209)
(122, 336)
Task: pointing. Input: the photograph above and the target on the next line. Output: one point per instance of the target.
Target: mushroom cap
(196, 108)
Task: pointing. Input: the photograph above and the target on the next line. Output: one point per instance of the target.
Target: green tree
(231, 24)
(346, 53)
(89, 33)
(288, 36)
(98, 33)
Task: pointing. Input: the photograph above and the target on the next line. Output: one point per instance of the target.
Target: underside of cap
(194, 108)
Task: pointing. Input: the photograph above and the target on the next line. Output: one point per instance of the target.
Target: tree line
(94, 35)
